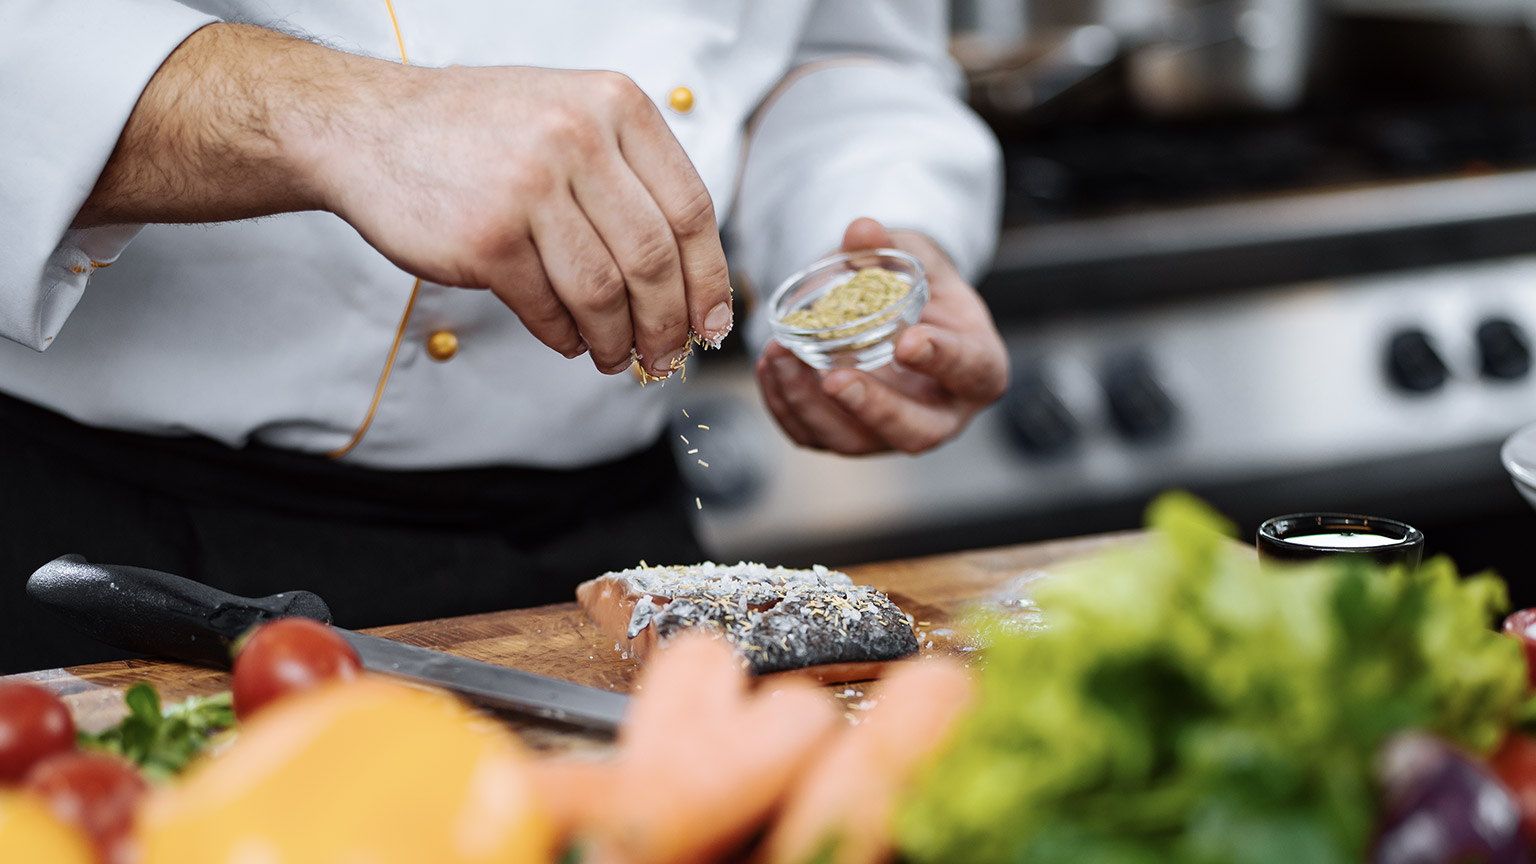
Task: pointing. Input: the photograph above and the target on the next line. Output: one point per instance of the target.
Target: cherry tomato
(286, 656)
(97, 794)
(1515, 764)
(34, 724)
(1521, 624)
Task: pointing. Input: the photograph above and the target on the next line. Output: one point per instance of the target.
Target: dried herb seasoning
(869, 291)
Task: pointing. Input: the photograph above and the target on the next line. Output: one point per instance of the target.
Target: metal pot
(1181, 56)
(1230, 54)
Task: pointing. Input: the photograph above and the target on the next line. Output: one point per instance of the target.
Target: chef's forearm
(233, 125)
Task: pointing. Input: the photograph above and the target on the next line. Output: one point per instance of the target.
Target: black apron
(379, 547)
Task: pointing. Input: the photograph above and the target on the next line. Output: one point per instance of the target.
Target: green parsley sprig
(162, 740)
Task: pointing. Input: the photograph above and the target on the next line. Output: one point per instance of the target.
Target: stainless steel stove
(1327, 307)
(1387, 390)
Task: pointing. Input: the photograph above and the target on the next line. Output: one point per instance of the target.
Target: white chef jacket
(294, 332)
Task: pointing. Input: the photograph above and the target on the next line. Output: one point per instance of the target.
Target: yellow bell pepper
(29, 832)
(360, 771)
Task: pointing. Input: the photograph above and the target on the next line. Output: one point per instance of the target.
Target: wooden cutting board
(558, 640)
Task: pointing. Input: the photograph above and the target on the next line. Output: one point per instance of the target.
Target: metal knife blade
(151, 612)
(500, 687)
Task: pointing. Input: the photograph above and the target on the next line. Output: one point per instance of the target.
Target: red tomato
(286, 656)
(34, 724)
(97, 794)
(1521, 625)
(1515, 764)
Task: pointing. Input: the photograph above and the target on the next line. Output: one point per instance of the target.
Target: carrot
(844, 805)
(700, 682)
(569, 788)
(696, 681)
(705, 796)
(701, 763)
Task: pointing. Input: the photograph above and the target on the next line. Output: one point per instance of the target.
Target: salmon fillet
(815, 621)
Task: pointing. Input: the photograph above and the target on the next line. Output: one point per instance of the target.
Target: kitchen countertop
(558, 640)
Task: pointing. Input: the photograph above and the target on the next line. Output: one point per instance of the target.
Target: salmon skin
(778, 619)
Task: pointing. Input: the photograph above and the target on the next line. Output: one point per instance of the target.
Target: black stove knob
(1138, 405)
(1505, 352)
(1413, 364)
(1037, 417)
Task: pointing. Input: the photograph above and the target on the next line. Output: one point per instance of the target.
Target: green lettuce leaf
(1184, 705)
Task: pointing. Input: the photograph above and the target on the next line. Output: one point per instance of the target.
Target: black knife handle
(151, 612)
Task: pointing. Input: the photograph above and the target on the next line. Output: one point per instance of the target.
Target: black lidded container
(1300, 537)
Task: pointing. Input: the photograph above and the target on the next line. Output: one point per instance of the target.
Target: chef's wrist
(236, 123)
(333, 111)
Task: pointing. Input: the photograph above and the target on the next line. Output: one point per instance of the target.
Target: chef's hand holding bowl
(948, 366)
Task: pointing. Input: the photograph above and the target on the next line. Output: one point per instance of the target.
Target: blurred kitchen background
(1278, 252)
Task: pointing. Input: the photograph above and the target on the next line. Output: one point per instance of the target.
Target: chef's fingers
(587, 281)
(659, 161)
(521, 284)
(970, 366)
(637, 236)
(865, 233)
(778, 406)
(900, 422)
(831, 427)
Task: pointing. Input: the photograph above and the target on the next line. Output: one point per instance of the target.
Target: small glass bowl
(864, 343)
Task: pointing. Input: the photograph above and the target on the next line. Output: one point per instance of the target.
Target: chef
(335, 296)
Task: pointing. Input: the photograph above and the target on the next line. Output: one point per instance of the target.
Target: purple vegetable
(1443, 807)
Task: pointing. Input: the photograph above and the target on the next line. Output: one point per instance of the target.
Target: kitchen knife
(156, 613)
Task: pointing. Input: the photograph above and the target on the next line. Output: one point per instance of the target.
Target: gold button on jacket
(442, 345)
(681, 100)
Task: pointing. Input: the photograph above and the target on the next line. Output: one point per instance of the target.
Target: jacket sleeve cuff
(70, 75)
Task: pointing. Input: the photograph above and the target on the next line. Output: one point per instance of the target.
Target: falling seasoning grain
(703, 464)
(702, 426)
(699, 504)
(685, 438)
(685, 414)
(693, 451)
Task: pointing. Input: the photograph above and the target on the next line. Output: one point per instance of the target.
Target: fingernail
(717, 324)
(579, 350)
(923, 355)
(628, 362)
(786, 368)
(852, 396)
(670, 363)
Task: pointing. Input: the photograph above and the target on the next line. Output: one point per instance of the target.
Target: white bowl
(1519, 458)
